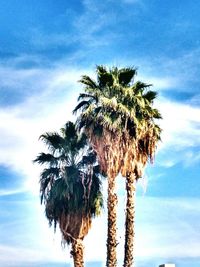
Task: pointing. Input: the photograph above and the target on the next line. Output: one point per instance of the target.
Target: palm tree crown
(70, 182)
(117, 108)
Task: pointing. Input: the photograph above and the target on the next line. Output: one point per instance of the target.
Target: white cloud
(164, 224)
(12, 256)
(161, 226)
(192, 158)
(181, 135)
(42, 40)
(7, 192)
(30, 240)
(186, 69)
(162, 82)
(183, 70)
(47, 109)
(15, 255)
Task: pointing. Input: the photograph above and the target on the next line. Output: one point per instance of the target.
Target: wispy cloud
(42, 40)
(157, 219)
(7, 192)
(183, 69)
(161, 226)
(21, 244)
(181, 135)
(14, 256)
(47, 109)
(174, 218)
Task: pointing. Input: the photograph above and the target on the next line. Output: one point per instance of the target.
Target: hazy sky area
(45, 47)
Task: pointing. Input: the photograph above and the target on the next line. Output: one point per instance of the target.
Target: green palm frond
(46, 158)
(89, 159)
(139, 87)
(86, 80)
(150, 96)
(109, 103)
(126, 75)
(69, 131)
(125, 111)
(47, 178)
(53, 172)
(86, 96)
(82, 106)
(53, 141)
(157, 131)
(156, 114)
(82, 142)
(104, 77)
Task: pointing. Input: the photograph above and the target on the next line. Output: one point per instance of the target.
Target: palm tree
(118, 117)
(70, 186)
(139, 141)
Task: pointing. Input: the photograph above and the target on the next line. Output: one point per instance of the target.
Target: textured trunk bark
(77, 253)
(129, 224)
(112, 224)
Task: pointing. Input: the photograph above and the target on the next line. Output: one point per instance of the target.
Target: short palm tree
(118, 117)
(70, 186)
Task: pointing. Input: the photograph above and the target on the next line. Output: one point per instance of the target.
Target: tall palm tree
(70, 186)
(139, 141)
(118, 117)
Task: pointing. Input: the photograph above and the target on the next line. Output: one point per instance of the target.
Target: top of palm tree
(118, 108)
(114, 101)
(70, 181)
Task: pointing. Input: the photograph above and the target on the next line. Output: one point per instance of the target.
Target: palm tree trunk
(112, 224)
(129, 223)
(77, 253)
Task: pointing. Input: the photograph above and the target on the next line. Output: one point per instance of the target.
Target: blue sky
(45, 46)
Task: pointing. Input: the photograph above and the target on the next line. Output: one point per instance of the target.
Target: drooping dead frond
(74, 226)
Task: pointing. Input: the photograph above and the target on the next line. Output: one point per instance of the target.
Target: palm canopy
(118, 111)
(70, 182)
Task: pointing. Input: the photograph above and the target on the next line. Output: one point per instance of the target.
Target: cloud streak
(47, 109)
(161, 226)
(181, 135)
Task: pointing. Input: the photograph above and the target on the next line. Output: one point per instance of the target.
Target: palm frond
(150, 95)
(69, 131)
(86, 80)
(82, 106)
(109, 103)
(46, 158)
(53, 141)
(156, 114)
(139, 87)
(85, 96)
(126, 75)
(88, 159)
(52, 172)
(82, 142)
(104, 78)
